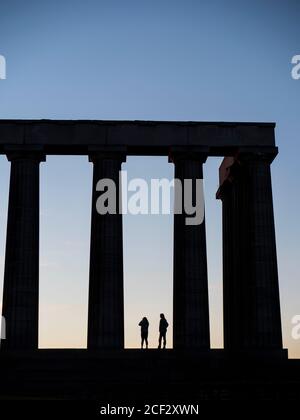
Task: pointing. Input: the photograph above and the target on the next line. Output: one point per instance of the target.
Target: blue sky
(161, 60)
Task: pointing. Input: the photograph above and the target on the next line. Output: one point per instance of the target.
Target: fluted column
(21, 274)
(251, 291)
(235, 203)
(106, 294)
(190, 294)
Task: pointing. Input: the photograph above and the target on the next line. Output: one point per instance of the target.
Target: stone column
(233, 194)
(106, 294)
(190, 295)
(21, 274)
(251, 290)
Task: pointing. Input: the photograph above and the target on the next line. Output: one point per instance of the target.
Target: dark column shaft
(266, 327)
(251, 293)
(190, 295)
(106, 301)
(235, 226)
(21, 275)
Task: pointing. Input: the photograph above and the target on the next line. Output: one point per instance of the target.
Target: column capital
(16, 152)
(198, 154)
(107, 153)
(254, 155)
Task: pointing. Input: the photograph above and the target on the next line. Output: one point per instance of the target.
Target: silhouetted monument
(252, 323)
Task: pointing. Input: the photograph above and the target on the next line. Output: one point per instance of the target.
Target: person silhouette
(163, 325)
(144, 324)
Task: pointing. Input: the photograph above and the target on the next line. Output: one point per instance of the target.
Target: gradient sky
(160, 60)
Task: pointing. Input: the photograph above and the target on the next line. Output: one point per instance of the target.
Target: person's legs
(164, 340)
(159, 340)
(144, 339)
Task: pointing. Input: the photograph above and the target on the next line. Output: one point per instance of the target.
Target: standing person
(163, 325)
(144, 324)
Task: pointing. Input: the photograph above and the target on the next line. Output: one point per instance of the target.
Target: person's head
(162, 316)
(145, 319)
